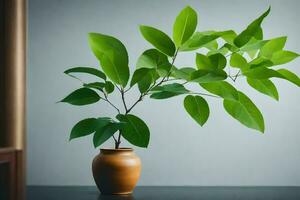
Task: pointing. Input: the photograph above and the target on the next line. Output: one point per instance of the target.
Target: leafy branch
(156, 75)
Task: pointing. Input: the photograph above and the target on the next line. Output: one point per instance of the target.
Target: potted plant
(246, 55)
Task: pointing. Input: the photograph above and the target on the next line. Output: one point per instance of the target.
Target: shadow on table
(116, 197)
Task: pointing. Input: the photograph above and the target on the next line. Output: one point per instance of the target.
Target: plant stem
(164, 79)
(118, 142)
(123, 100)
(106, 99)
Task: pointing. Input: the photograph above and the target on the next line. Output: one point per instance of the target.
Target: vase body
(116, 171)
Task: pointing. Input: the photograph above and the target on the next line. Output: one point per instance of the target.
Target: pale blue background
(223, 152)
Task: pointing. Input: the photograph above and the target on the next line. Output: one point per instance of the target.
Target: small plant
(156, 75)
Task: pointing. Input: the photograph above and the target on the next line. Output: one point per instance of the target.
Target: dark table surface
(166, 193)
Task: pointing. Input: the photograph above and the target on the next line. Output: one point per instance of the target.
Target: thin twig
(106, 99)
(237, 75)
(123, 100)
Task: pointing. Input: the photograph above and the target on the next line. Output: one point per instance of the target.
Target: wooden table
(167, 193)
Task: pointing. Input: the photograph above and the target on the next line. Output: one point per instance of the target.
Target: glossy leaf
(158, 39)
(218, 60)
(138, 75)
(197, 108)
(184, 26)
(167, 91)
(272, 46)
(212, 62)
(290, 76)
(95, 85)
(229, 36)
(264, 86)
(145, 83)
(222, 50)
(238, 61)
(183, 73)
(83, 128)
(103, 133)
(112, 55)
(282, 57)
(222, 89)
(87, 70)
(207, 76)
(203, 62)
(265, 73)
(109, 87)
(261, 62)
(253, 45)
(82, 96)
(200, 39)
(212, 46)
(245, 111)
(262, 73)
(253, 30)
(151, 58)
(134, 130)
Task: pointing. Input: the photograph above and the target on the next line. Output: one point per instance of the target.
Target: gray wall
(223, 152)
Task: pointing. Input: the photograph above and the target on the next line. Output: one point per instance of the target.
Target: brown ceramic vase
(116, 171)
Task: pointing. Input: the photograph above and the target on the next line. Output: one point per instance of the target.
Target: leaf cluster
(228, 56)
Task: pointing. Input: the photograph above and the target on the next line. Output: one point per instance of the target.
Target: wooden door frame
(13, 64)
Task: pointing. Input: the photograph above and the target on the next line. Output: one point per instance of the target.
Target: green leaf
(238, 61)
(229, 36)
(87, 70)
(183, 73)
(222, 89)
(207, 76)
(272, 46)
(197, 108)
(203, 62)
(83, 128)
(231, 47)
(212, 46)
(151, 58)
(109, 87)
(261, 62)
(134, 130)
(173, 87)
(218, 60)
(103, 133)
(138, 75)
(253, 30)
(264, 86)
(184, 26)
(262, 73)
(212, 62)
(112, 55)
(167, 91)
(158, 39)
(265, 73)
(82, 96)
(245, 111)
(200, 39)
(253, 45)
(282, 57)
(145, 83)
(290, 76)
(95, 85)
(222, 50)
